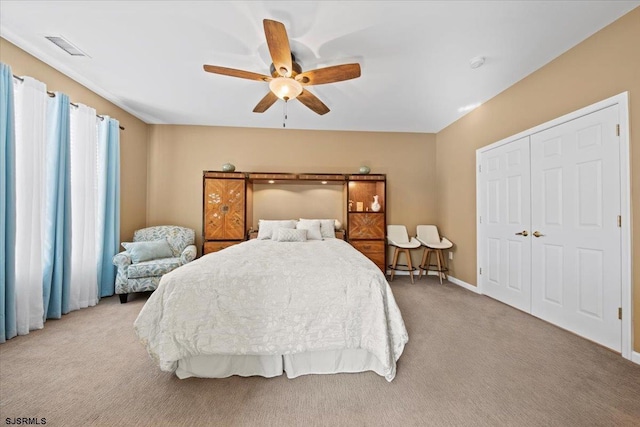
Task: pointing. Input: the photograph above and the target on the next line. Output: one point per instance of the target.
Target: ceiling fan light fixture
(285, 88)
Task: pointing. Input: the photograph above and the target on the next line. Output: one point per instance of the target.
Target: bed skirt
(295, 365)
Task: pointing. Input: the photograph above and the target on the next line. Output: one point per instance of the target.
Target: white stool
(397, 236)
(428, 236)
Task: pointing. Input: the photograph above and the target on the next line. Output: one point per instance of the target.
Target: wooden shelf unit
(366, 229)
(296, 178)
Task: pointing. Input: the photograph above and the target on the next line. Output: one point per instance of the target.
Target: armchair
(141, 267)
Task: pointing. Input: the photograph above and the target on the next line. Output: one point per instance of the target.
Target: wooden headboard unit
(340, 234)
(228, 208)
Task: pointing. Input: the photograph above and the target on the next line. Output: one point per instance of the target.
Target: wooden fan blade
(336, 73)
(279, 49)
(312, 101)
(237, 73)
(265, 103)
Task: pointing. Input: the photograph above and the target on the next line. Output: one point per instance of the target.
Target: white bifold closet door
(550, 243)
(506, 221)
(575, 203)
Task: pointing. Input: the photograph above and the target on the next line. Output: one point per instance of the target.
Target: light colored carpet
(470, 361)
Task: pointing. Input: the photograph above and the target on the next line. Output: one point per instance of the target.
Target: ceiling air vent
(65, 45)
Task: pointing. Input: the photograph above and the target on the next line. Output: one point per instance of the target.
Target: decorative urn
(228, 167)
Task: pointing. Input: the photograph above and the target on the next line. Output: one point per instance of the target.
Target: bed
(265, 307)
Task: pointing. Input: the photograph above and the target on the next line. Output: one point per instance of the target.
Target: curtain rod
(52, 95)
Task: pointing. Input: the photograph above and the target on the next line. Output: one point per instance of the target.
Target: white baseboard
(465, 285)
(452, 279)
(635, 357)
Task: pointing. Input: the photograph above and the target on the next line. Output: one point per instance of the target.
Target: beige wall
(133, 140)
(169, 189)
(604, 65)
(179, 154)
(292, 201)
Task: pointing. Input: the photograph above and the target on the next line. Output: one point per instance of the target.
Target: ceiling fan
(287, 81)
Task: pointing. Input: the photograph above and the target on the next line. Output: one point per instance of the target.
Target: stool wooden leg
(407, 253)
(444, 265)
(395, 262)
(422, 263)
(438, 256)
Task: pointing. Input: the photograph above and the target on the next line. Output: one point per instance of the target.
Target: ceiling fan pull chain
(284, 125)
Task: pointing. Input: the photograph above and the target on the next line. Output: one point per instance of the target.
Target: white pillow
(327, 227)
(266, 227)
(313, 228)
(289, 235)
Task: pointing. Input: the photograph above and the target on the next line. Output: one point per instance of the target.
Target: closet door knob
(537, 234)
(522, 233)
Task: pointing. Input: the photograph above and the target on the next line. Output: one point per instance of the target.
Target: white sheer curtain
(56, 166)
(30, 117)
(83, 290)
(102, 195)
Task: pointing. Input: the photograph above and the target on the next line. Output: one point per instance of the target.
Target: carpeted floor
(470, 361)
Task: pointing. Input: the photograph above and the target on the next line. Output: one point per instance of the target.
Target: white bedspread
(273, 298)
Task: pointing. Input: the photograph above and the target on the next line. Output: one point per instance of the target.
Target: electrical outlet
(450, 255)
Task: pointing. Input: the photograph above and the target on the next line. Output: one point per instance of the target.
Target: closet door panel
(575, 200)
(505, 220)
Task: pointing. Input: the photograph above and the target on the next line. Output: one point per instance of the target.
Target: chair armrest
(123, 259)
(188, 254)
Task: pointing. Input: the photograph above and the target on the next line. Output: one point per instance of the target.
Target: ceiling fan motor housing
(297, 69)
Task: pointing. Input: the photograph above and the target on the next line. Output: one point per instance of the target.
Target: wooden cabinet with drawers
(366, 227)
(224, 210)
(372, 249)
(210, 246)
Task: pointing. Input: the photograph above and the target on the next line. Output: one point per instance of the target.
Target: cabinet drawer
(374, 250)
(209, 247)
(378, 259)
(366, 226)
(368, 246)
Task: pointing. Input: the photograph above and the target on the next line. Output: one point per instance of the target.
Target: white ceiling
(147, 56)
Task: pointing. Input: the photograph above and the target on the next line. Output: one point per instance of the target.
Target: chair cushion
(444, 244)
(177, 237)
(411, 244)
(154, 268)
(146, 251)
